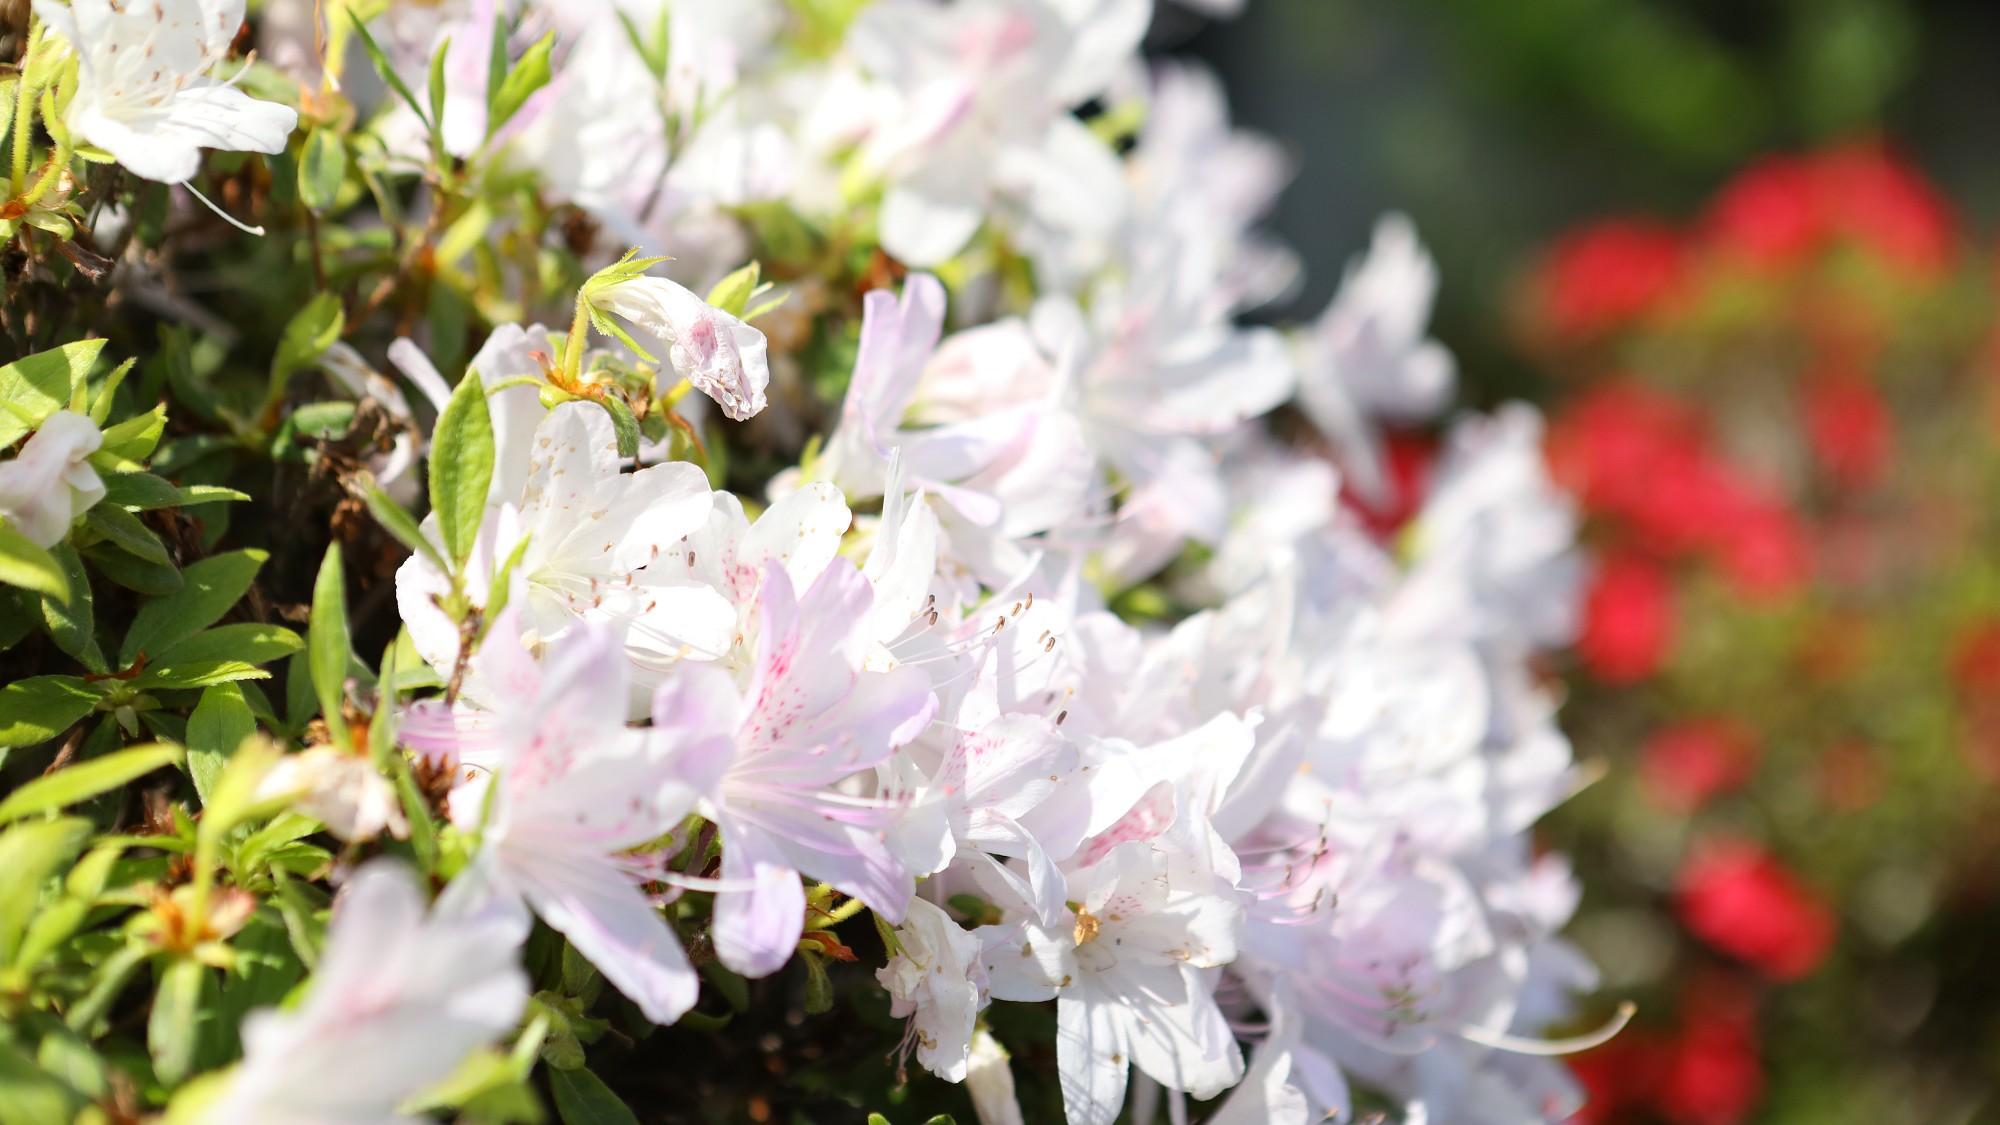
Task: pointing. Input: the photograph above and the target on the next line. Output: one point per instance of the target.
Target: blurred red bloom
(1763, 547)
(1771, 213)
(1619, 1076)
(1883, 202)
(1784, 209)
(1711, 1074)
(1408, 459)
(1610, 274)
(1628, 622)
(1741, 900)
(1849, 428)
(1975, 662)
(1690, 762)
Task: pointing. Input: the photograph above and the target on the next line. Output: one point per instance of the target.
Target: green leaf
(35, 710)
(732, 293)
(134, 439)
(312, 330)
(727, 982)
(436, 90)
(29, 1095)
(85, 780)
(211, 587)
(158, 580)
(219, 724)
(528, 76)
(100, 407)
(139, 491)
(173, 1031)
(387, 71)
(248, 642)
(24, 565)
(195, 494)
(462, 466)
(819, 990)
(322, 168)
(29, 855)
(582, 1098)
(69, 624)
(622, 421)
(41, 384)
(125, 531)
(327, 652)
(399, 523)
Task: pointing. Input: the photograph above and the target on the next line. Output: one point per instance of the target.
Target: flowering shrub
(888, 631)
(1783, 440)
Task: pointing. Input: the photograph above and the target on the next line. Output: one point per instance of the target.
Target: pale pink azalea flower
(720, 355)
(570, 790)
(51, 482)
(400, 996)
(808, 721)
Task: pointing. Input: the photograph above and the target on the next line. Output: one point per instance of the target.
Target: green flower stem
(579, 332)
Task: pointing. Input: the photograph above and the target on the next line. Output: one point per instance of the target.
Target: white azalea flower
(720, 355)
(399, 998)
(601, 547)
(51, 482)
(937, 982)
(143, 94)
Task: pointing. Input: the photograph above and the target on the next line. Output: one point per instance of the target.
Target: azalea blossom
(143, 92)
(401, 995)
(807, 719)
(1368, 361)
(571, 788)
(936, 981)
(45, 487)
(1126, 971)
(341, 789)
(720, 355)
(601, 546)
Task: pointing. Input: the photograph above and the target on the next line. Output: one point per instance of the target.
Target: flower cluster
(953, 574)
(1781, 439)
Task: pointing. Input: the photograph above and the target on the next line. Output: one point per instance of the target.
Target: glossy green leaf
(211, 587)
(328, 648)
(40, 708)
(582, 1098)
(86, 779)
(219, 724)
(462, 466)
(28, 567)
(41, 384)
(529, 75)
(322, 168)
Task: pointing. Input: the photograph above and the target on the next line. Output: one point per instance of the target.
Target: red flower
(1741, 900)
(1609, 274)
(1975, 663)
(1711, 1074)
(1408, 459)
(1690, 762)
(1617, 1077)
(1763, 548)
(1849, 427)
(1782, 210)
(1885, 204)
(1771, 213)
(1628, 620)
